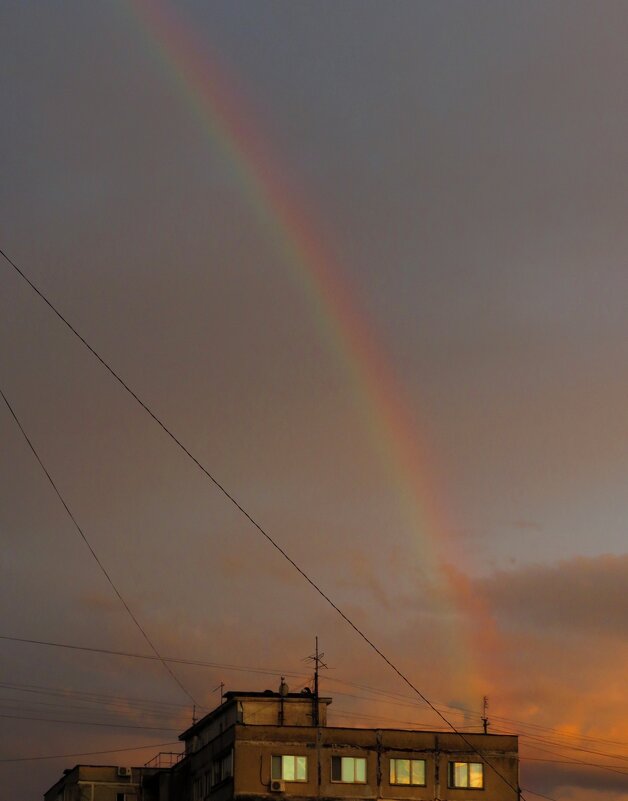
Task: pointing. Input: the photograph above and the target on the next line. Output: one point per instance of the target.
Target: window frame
(294, 757)
(354, 759)
(468, 786)
(217, 769)
(411, 761)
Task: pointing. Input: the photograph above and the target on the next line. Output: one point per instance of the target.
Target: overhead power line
(171, 659)
(410, 702)
(141, 706)
(89, 753)
(578, 763)
(107, 699)
(103, 569)
(90, 723)
(93, 697)
(262, 531)
(154, 707)
(38, 707)
(575, 762)
(567, 747)
(540, 795)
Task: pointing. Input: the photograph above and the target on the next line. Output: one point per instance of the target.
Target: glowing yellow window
(407, 771)
(466, 774)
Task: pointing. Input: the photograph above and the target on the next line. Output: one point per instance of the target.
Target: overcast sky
(464, 169)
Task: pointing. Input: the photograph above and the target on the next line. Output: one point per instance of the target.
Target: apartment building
(100, 783)
(274, 745)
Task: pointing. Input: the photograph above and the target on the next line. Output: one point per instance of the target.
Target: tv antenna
(485, 714)
(317, 659)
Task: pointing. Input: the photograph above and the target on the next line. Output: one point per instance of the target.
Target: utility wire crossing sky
(368, 262)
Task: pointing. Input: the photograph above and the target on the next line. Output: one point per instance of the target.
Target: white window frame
(344, 760)
(285, 758)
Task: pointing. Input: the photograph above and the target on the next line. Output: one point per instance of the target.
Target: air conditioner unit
(124, 771)
(277, 786)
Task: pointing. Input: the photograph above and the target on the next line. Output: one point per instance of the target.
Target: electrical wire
(345, 713)
(39, 707)
(547, 741)
(576, 763)
(108, 700)
(103, 569)
(157, 708)
(522, 758)
(90, 723)
(95, 698)
(540, 795)
(37, 700)
(258, 526)
(88, 753)
(459, 710)
(173, 660)
(573, 761)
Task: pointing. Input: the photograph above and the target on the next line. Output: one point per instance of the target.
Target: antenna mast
(317, 659)
(220, 687)
(485, 714)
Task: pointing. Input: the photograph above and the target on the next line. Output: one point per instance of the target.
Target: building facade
(100, 783)
(278, 745)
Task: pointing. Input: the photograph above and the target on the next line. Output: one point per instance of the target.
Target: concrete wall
(254, 710)
(99, 783)
(255, 745)
(269, 711)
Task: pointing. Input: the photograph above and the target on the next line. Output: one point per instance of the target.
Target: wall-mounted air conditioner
(277, 786)
(122, 771)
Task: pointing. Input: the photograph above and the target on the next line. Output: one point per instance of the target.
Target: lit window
(407, 771)
(289, 768)
(351, 770)
(466, 774)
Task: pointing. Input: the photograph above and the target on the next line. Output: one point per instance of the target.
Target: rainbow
(201, 81)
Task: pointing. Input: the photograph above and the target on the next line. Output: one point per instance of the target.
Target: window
(289, 768)
(466, 774)
(351, 770)
(120, 797)
(407, 771)
(222, 768)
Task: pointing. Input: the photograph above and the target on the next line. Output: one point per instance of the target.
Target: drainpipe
(436, 768)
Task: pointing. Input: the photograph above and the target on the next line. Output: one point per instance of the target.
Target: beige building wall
(255, 746)
(229, 757)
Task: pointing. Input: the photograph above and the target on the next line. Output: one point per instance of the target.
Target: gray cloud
(526, 525)
(465, 164)
(576, 783)
(580, 595)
